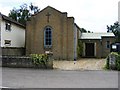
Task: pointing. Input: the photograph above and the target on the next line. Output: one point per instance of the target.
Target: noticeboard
(115, 47)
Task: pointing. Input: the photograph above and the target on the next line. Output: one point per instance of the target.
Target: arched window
(48, 37)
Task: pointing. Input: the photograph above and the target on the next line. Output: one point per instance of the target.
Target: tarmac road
(37, 78)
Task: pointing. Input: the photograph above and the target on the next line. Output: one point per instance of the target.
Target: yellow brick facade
(62, 34)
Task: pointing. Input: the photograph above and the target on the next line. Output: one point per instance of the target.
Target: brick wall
(23, 62)
(62, 34)
(13, 51)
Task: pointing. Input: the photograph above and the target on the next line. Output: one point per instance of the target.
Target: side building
(51, 31)
(12, 36)
(97, 44)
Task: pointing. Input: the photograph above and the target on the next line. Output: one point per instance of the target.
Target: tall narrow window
(47, 37)
(108, 44)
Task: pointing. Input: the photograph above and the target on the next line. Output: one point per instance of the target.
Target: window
(108, 44)
(7, 42)
(8, 26)
(47, 37)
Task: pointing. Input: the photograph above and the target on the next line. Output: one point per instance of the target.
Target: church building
(53, 31)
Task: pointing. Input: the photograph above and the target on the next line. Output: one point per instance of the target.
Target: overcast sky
(93, 15)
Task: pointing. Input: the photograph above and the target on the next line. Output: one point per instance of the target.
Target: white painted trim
(95, 49)
(75, 42)
(84, 49)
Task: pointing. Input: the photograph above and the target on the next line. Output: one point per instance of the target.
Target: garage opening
(89, 49)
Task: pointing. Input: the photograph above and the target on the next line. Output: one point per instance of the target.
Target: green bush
(39, 59)
(107, 64)
(117, 61)
(79, 48)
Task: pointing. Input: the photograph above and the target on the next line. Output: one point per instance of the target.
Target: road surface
(36, 78)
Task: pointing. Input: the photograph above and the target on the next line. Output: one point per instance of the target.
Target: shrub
(107, 63)
(117, 60)
(79, 48)
(39, 59)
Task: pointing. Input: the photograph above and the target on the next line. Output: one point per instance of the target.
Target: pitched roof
(96, 35)
(50, 8)
(11, 20)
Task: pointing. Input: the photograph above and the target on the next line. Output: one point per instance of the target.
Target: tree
(24, 13)
(85, 31)
(34, 9)
(115, 29)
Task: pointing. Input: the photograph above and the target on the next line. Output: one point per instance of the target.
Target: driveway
(81, 64)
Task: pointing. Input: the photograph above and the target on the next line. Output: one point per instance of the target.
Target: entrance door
(89, 52)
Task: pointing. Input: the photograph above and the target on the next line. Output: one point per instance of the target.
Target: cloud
(4, 10)
(93, 15)
(7, 5)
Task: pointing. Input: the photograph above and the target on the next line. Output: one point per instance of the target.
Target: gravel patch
(81, 64)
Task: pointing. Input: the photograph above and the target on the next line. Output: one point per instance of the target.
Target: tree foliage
(23, 13)
(116, 64)
(79, 48)
(85, 31)
(115, 28)
(39, 59)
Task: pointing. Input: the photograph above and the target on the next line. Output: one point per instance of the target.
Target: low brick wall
(13, 51)
(23, 62)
